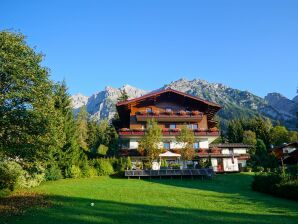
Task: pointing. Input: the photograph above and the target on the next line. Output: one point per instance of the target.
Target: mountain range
(236, 103)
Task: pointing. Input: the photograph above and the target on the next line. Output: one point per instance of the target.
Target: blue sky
(249, 45)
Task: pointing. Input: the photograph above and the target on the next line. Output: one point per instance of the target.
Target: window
(166, 145)
(172, 126)
(196, 145)
(168, 109)
(149, 110)
(193, 126)
(231, 151)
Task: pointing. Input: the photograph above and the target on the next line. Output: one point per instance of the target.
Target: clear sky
(246, 44)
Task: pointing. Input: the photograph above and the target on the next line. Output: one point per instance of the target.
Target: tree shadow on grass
(78, 210)
(233, 187)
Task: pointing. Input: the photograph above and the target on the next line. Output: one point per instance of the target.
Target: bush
(278, 184)
(13, 176)
(248, 169)
(33, 176)
(189, 166)
(73, 172)
(259, 169)
(103, 167)
(10, 174)
(53, 173)
(163, 163)
(175, 166)
(92, 172)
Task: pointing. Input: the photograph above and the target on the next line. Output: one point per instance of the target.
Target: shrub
(175, 166)
(53, 173)
(33, 176)
(189, 166)
(259, 169)
(10, 173)
(92, 172)
(248, 169)
(147, 165)
(288, 190)
(102, 150)
(278, 184)
(163, 163)
(103, 167)
(73, 172)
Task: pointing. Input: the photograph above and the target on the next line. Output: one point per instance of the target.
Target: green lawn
(225, 199)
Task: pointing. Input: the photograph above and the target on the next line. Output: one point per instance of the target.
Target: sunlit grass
(225, 199)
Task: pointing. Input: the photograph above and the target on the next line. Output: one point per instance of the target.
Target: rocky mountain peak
(236, 103)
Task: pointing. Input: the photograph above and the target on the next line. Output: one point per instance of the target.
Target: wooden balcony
(168, 117)
(167, 133)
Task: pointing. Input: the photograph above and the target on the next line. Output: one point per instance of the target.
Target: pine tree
(235, 131)
(82, 128)
(69, 153)
(123, 96)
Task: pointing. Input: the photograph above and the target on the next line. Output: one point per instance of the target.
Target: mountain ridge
(236, 103)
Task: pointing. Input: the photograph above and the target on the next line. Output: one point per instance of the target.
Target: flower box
(168, 112)
(215, 129)
(175, 129)
(156, 112)
(195, 112)
(124, 129)
(141, 112)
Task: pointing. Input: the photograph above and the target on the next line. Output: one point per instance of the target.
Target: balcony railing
(168, 133)
(170, 116)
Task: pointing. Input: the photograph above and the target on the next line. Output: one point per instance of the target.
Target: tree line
(39, 135)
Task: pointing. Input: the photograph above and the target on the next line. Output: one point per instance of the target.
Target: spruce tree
(69, 153)
(82, 128)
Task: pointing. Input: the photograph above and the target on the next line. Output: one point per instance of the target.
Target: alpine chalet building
(172, 109)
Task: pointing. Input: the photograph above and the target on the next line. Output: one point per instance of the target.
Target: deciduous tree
(149, 144)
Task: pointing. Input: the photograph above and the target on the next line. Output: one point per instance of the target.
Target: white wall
(236, 151)
(225, 151)
(204, 144)
(229, 166)
(133, 144)
(239, 151)
(214, 164)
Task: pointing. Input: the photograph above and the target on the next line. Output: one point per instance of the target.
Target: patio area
(203, 173)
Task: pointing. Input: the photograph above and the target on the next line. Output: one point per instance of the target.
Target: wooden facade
(171, 109)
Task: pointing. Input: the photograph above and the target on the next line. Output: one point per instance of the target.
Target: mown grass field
(225, 199)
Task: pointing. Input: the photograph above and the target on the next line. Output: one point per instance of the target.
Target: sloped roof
(169, 154)
(156, 93)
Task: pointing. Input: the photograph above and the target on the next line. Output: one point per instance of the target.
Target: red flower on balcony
(168, 112)
(141, 112)
(165, 129)
(156, 112)
(195, 112)
(214, 129)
